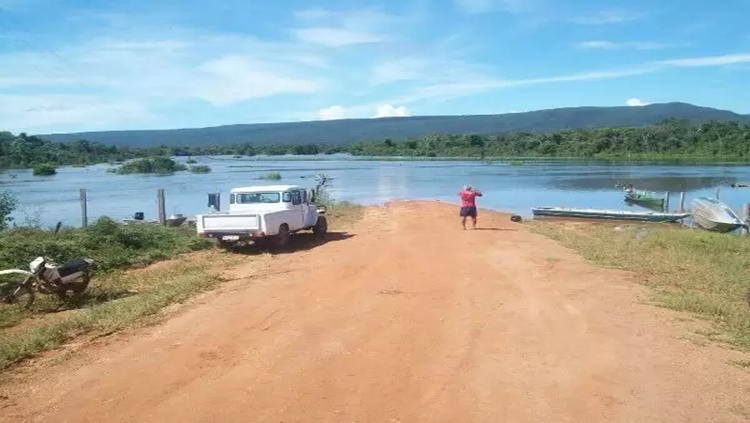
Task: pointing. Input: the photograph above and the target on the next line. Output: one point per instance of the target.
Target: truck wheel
(321, 227)
(282, 238)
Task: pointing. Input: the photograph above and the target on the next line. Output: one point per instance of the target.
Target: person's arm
(478, 193)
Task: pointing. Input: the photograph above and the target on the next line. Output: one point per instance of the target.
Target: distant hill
(355, 130)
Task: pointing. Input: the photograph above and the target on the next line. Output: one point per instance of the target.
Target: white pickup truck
(264, 212)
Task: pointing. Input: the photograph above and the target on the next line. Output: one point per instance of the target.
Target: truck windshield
(255, 197)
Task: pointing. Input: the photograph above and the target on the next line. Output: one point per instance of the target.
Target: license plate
(230, 237)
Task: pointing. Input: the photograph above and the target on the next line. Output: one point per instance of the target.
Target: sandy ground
(406, 319)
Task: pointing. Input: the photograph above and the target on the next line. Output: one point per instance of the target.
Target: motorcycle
(47, 277)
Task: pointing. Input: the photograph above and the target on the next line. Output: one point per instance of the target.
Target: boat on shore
(647, 199)
(603, 214)
(715, 216)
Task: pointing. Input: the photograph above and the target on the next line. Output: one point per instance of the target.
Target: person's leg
(474, 218)
(463, 215)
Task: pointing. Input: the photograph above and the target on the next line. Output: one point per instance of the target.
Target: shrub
(8, 205)
(159, 165)
(44, 169)
(200, 169)
(271, 176)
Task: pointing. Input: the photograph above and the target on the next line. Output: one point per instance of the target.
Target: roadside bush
(111, 245)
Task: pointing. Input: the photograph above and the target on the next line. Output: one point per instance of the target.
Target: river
(512, 187)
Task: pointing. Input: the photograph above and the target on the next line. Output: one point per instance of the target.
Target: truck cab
(260, 212)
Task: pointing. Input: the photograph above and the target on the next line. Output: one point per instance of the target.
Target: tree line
(669, 139)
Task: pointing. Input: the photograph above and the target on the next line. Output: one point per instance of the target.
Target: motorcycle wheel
(18, 292)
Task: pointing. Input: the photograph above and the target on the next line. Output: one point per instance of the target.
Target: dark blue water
(507, 187)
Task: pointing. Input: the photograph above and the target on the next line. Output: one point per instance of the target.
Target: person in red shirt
(468, 205)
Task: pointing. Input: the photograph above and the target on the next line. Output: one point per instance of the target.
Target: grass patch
(112, 246)
(697, 272)
(199, 169)
(157, 165)
(342, 214)
(271, 176)
(141, 294)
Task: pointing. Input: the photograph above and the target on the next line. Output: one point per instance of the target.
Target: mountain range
(347, 131)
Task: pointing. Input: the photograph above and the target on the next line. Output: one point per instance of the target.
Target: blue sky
(82, 65)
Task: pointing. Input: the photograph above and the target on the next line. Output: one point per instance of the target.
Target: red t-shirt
(468, 198)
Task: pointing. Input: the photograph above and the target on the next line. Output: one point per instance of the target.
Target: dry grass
(702, 273)
(342, 215)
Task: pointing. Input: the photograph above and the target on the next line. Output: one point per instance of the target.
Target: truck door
(299, 209)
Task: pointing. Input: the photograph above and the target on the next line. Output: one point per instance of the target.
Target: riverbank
(700, 273)
(140, 270)
(404, 317)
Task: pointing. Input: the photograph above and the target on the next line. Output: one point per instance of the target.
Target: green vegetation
(697, 272)
(44, 169)
(271, 176)
(112, 245)
(110, 305)
(8, 205)
(159, 165)
(670, 139)
(191, 161)
(199, 169)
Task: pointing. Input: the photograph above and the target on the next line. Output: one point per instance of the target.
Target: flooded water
(506, 187)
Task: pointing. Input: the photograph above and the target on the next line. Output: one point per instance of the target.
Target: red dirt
(409, 320)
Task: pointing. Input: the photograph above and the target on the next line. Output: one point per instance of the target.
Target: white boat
(715, 216)
(601, 214)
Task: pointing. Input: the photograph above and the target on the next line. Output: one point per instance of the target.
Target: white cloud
(331, 113)
(29, 111)
(232, 79)
(387, 110)
(342, 28)
(487, 6)
(403, 69)
(607, 17)
(636, 102)
(335, 37)
(155, 72)
(628, 45)
(729, 59)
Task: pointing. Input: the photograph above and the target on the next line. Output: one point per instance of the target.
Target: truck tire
(282, 238)
(321, 227)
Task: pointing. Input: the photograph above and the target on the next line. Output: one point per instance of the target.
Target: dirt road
(409, 319)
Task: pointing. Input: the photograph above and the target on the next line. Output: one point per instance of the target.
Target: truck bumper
(233, 236)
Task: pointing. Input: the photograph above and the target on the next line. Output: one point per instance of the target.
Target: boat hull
(608, 214)
(645, 199)
(715, 216)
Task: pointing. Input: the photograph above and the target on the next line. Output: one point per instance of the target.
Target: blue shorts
(468, 212)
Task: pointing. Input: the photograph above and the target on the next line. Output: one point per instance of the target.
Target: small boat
(715, 216)
(602, 214)
(176, 220)
(647, 199)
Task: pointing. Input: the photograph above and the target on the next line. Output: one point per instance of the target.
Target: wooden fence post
(746, 217)
(84, 209)
(161, 206)
(665, 204)
(682, 202)
(718, 190)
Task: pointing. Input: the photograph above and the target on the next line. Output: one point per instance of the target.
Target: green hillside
(347, 131)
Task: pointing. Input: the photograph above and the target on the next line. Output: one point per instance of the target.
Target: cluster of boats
(708, 213)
